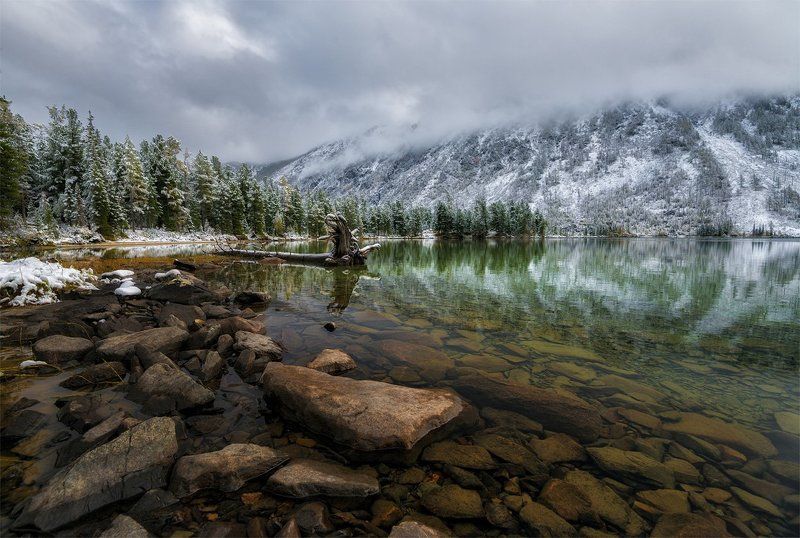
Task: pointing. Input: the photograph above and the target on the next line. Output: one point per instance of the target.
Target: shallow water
(714, 325)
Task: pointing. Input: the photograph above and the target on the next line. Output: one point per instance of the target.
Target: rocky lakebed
(170, 412)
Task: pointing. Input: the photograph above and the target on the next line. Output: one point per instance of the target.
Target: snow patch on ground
(32, 281)
(154, 235)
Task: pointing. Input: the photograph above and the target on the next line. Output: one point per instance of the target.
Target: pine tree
(258, 210)
(15, 159)
(96, 180)
(205, 180)
(480, 218)
(443, 220)
(175, 213)
(272, 208)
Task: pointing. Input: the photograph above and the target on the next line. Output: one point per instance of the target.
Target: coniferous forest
(69, 173)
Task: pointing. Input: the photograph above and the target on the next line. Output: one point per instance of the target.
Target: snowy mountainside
(645, 168)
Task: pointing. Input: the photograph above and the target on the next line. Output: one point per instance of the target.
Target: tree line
(68, 172)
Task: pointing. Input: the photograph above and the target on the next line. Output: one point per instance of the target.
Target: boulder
(453, 501)
(607, 504)
(363, 414)
(466, 456)
(93, 437)
(225, 470)
(689, 526)
(72, 327)
(712, 429)
(136, 461)
(163, 388)
(633, 465)
(545, 522)
(22, 424)
(107, 372)
(332, 361)
(87, 411)
(513, 452)
(188, 314)
(312, 519)
(666, 500)
(58, 349)
(263, 346)
(183, 291)
(212, 366)
(557, 448)
(248, 298)
(125, 527)
(234, 324)
(554, 410)
(567, 500)
(148, 357)
(415, 529)
(303, 478)
(166, 340)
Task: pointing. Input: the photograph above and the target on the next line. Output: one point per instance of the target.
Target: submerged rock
(107, 372)
(225, 470)
(365, 415)
(59, 349)
(166, 340)
(717, 431)
(332, 361)
(466, 456)
(607, 504)
(544, 521)
(453, 501)
(136, 461)
(557, 448)
(689, 526)
(554, 410)
(633, 465)
(163, 388)
(303, 478)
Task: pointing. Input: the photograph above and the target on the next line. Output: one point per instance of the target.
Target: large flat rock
(167, 340)
(365, 415)
(58, 349)
(136, 461)
(554, 410)
(163, 388)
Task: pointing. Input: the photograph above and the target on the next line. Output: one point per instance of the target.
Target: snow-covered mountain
(649, 168)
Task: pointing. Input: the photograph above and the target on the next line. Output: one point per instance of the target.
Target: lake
(657, 326)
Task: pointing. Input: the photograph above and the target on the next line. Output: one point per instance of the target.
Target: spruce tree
(205, 180)
(15, 158)
(175, 214)
(96, 180)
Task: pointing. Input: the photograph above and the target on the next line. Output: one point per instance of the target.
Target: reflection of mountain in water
(682, 287)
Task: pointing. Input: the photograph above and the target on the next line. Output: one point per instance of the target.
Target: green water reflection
(716, 322)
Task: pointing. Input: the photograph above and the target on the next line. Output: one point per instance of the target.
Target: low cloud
(261, 81)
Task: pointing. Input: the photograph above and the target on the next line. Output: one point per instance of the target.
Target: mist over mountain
(640, 167)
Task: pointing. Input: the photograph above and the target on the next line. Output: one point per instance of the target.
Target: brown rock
(107, 372)
(466, 456)
(58, 349)
(717, 431)
(225, 470)
(332, 361)
(634, 465)
(665, 500)
(607, 504)
(545, 522)
(166, 340)
(453, 501)
(365, 415)
(689, 526)
(567, 500)
(308, 478)
(557, 448)
(554, 410)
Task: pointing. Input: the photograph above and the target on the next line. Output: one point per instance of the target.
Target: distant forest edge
(67, 174)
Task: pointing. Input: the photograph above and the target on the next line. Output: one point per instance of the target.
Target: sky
(262, 81)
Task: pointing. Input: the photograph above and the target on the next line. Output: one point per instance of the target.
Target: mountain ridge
(647, 168)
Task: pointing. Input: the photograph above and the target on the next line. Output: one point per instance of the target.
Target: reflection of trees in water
(286, 281)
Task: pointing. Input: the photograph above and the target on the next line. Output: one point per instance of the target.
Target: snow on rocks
(169, 274)
(119, 273)
(32, 281)
(127, 291)
(32, 364)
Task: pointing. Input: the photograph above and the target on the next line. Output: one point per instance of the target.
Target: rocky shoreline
(179, 419)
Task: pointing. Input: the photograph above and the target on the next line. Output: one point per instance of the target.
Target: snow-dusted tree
(15, 160)
(135, 185)
(480, 218)
(231, 203)
(272, 208)
(205, 184)
(175, 213)
(97, 181)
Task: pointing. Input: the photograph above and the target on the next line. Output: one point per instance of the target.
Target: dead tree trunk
(344, 249)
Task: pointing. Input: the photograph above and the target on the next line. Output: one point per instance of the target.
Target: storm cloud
(261, 81)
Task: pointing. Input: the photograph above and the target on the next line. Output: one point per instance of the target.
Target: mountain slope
(647, 168)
